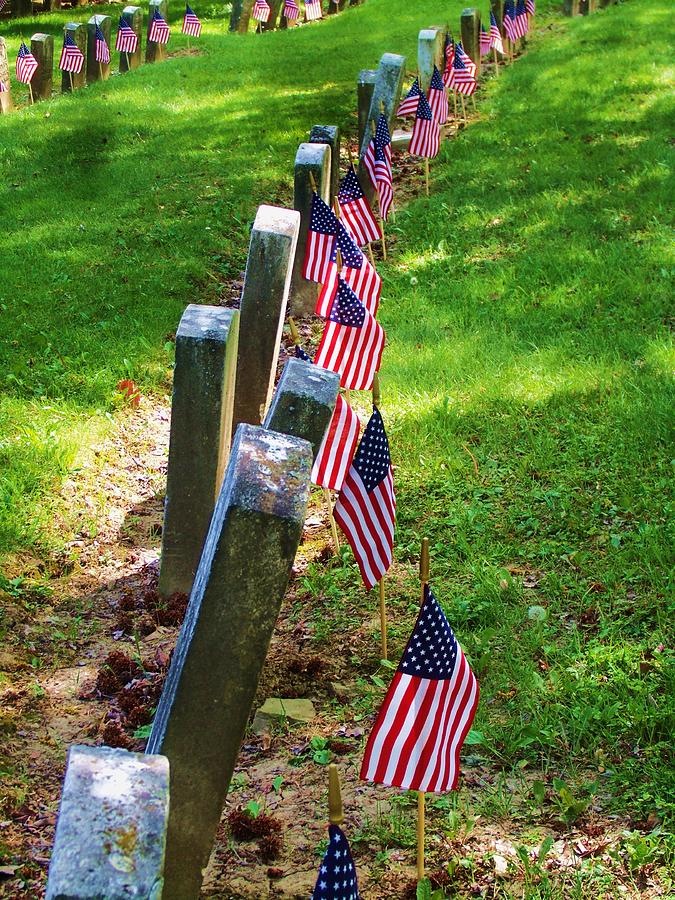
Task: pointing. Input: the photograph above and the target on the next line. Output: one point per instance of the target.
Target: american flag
(461, 80)
(466, 59)
(426, 137)
(495, 35)
(449, 54)
(191, 24)
(366, 284)
(26, 65)
(355, 211)
(337, 875)
(101, 51)
(323, 226)
(127, 39)
(427, 712)
(336, 452)
(438, 98)
(313, 10)
(159, 30)
(408, 106)
(261, 11)
(352, 341)
(509, 21)
(357, 272)
(3, 4)
(530, 7)
(377, 160)
(291, 10)
(366, 507)
(485, 41)
(522, 22)
(72, 58)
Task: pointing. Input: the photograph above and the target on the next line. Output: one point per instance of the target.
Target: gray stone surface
(98, 71)
(365, 85)
(234, 604)
(314, 159)
(42, 48)
(201, 425)
(387, 92)
(6, 104)
(269, 266)
(155, 52)
(276, 710)
(71, 80)
(134, 16)
(329, 134)
(470, 30)
(430, 47)
(111, 831)
(303, 402)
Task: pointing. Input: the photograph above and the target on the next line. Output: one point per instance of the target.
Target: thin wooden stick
(461, 97)
(331, 518)
(336, 812)
(494, 50)
(454, 101)
(426, 175)
(348, 397)
(383, 619)
(295, 334)
(370, 253)
(71, 82)
(100, 70)
(30, 88)
(424, 580)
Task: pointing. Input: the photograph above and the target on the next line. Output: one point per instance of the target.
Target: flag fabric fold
(485, 41)
(337, 873)
(449, 55)
(313, 10)
(338, 446)
(192, 27)
(159, 30)
(101, 51)
(72, 58)
(26, 65)
(438, 98)
(408, 106)
(127, 39)
(377, 161)
(323, 226)
(469, 64)
(291, 10)
(426, 138)
(496, 42)
(461, 80)
(261, 11)
(355, 211)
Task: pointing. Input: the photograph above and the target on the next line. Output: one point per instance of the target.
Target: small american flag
(291, 10)
(101, 51)
(355, 211)
(261, 11)
(522, 22)
(366, 507)
(495, 35)
(191, 24)
(509, 21)
(72, 58)
(485, 41)
(469, 64)
(426, 137)
(530, 7)
(127, 39)
(352, 258)
(352, 341)
(438, 98)
(337, 875)
(26, 65)
(366, 284)
(159, 30)
(377, 160)
(461, 80)
(323, 226)
(408, 106)
(427, 712)
(449, 54)
(336, 452)
(313, 10)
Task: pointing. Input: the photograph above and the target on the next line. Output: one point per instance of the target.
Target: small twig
(475, 463)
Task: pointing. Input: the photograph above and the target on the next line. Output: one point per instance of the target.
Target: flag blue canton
(323, 218)
(337, 874)
(459, 63)
(432, 649)
(300, 354)
(347, 309)
(436, 83)
(350, 189)
(382, 137)
(99, 34)
(423, 108)
(351, 253)
(493, 21)
(414, 90)
(372, 460)
(69, 42)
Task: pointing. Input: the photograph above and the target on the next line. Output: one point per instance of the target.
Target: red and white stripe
(159, 32)
(426, 138)
(318, 256)
(438, 101)
(313, 10)
(326, 297)
(261, 11)
(291, 10)
(337, 450)
(354, 353)
(366, 284)
(358, 219)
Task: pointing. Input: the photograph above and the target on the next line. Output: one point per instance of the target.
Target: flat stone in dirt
(277, 709)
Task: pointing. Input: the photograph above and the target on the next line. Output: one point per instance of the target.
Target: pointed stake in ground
(494, 50)
(424, 580)
(426, 175)
(383, 604)
(331, 519)
(336, 813)
(295, 334)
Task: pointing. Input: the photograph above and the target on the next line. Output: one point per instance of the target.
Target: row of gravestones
(42, 48)
(240, 17)
(584, 7)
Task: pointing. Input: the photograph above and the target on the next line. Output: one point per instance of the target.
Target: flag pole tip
(336, 813)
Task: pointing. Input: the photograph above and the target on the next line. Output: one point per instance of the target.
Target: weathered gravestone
(22, 9)
(386, 94)
(269, 267)
(133, 16)
(275, 9)
(329, 134)
(335, 6)
(97, 71)
(430, 51)
(303, 402)
(111, 831)
(240, 18)
(312, 161)
(42, 48)
(470, 28)
(6, 95)
(497, 10)
(234, 604)
(73, 81)
(365, 85)
(154, 51)
(201, 425)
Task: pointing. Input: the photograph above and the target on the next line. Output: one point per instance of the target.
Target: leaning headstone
(201, 425)
(470, 29)
(74, 80)
(97, 71)
(387, 94)
(42, 48)
(264, 299)
(365, 85)
(314, 160)
(430, 50)
(133, 16)
(275, 9)
(154, 51)
(329, 134)
(303, 402)
(6, 104)
(234, 604)
(111, 831)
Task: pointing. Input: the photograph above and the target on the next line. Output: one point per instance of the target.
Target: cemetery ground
(527, 394)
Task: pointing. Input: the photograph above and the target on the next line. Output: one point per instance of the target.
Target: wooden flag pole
(336, 812)
(331, 517)
(100, 70)
(32, 99)
(70, 75)
(383, 604)
(424, 580)
(384, 243)
(426, 175)
(494, 50)
(461, 97)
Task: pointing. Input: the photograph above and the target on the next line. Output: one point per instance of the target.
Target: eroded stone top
(206, 322)
(278, 220)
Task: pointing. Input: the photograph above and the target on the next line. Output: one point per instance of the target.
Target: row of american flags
(291, 10)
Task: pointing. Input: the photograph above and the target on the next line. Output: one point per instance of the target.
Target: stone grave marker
(6, 104)
(201, 425)
(329, 134)
(111, 831)
(72, 80)
(470, 29)
(430, 50)
(314, 160)
(276, 7)
(133, 16)
(98, 71)
(387, 91)
(365, 85)
(155, 52)
(22, 9)
(234, 604)
(42, 48)
(269, 266)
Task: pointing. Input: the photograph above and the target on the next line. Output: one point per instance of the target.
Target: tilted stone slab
(470, 29)
(311, 160)
(73, 80)
(234, 604)
(6, 104)
(430, 50)
(201, 425)
(42, 48)
(365, 85)
(304, 402)
(269, 266)
(111, 831)
(98, 71)
(154, 51)
(386, 94)
(133, 16)
(329, 134)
